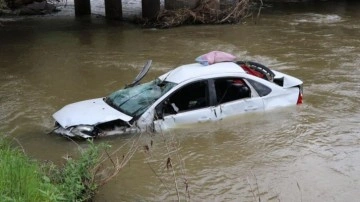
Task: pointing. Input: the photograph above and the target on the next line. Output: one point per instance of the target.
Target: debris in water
(207, 12)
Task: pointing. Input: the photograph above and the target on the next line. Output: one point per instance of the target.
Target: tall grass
(78, 179)
(20, 179)
(23, 179)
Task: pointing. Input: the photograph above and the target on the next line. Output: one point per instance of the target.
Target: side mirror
(159, 112)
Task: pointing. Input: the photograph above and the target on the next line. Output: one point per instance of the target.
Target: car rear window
(260, 88)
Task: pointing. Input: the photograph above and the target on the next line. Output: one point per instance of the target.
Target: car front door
(187, 105)
(235, 96)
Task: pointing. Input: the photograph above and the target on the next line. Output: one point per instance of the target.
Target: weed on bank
(23, 179)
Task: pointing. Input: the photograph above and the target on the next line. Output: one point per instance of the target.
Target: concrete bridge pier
(113, 9)
(82, 7)
(150, 8)
(176, 4)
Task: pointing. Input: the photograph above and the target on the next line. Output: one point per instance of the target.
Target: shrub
(22, 179)
(76, 180)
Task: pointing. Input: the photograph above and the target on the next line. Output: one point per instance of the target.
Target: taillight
(300, 98)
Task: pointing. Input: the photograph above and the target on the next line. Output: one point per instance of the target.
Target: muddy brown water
(304, 153)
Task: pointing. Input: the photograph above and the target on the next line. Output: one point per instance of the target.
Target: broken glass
(135, 100)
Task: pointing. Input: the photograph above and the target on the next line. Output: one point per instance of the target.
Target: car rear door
(235, 96)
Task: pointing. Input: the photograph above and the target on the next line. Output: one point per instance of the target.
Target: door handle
(204, 119)
(251, 108)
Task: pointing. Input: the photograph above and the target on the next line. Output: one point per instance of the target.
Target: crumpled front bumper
(75, 132)
(88, 132)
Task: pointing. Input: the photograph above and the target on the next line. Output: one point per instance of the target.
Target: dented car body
(188, 94)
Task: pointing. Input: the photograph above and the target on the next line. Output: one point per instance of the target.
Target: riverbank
(205, 12)
(132, 9)
(78, 178)
(24, 179)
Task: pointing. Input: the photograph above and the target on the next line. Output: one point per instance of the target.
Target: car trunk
(286, 81)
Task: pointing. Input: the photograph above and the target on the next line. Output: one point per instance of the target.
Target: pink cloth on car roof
(215, 57)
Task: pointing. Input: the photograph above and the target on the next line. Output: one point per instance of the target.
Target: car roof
(189, 71)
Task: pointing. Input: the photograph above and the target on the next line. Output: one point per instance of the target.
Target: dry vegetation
(206, 12)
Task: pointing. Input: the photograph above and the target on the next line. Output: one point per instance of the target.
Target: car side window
(230, 89)
(190, 97)
(261, 89)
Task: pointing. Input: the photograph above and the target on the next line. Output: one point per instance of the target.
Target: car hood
(88, 112)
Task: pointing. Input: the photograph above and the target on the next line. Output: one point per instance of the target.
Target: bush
(76, 180)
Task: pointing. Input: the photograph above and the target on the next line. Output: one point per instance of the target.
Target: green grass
(23, 179)
(76, 179)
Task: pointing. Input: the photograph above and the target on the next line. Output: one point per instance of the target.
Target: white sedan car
(188, 94)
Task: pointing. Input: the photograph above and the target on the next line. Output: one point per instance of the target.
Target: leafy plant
(76, 179)
(23, 179)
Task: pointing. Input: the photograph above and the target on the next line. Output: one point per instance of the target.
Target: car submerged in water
(192, 93)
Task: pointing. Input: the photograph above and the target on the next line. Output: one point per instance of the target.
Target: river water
(305, 153)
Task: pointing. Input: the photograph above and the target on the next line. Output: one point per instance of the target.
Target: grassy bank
(23, 179)
(20, 179)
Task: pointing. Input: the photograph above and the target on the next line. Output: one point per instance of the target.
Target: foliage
(76, 179)
(21, 179)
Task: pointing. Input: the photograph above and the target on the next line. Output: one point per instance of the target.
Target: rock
(20, 3)
(37, 8)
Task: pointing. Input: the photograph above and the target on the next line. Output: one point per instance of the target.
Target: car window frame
(249, 80)
(253, 92)
(209, 97)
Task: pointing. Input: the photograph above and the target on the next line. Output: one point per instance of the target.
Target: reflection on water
(304, 153)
